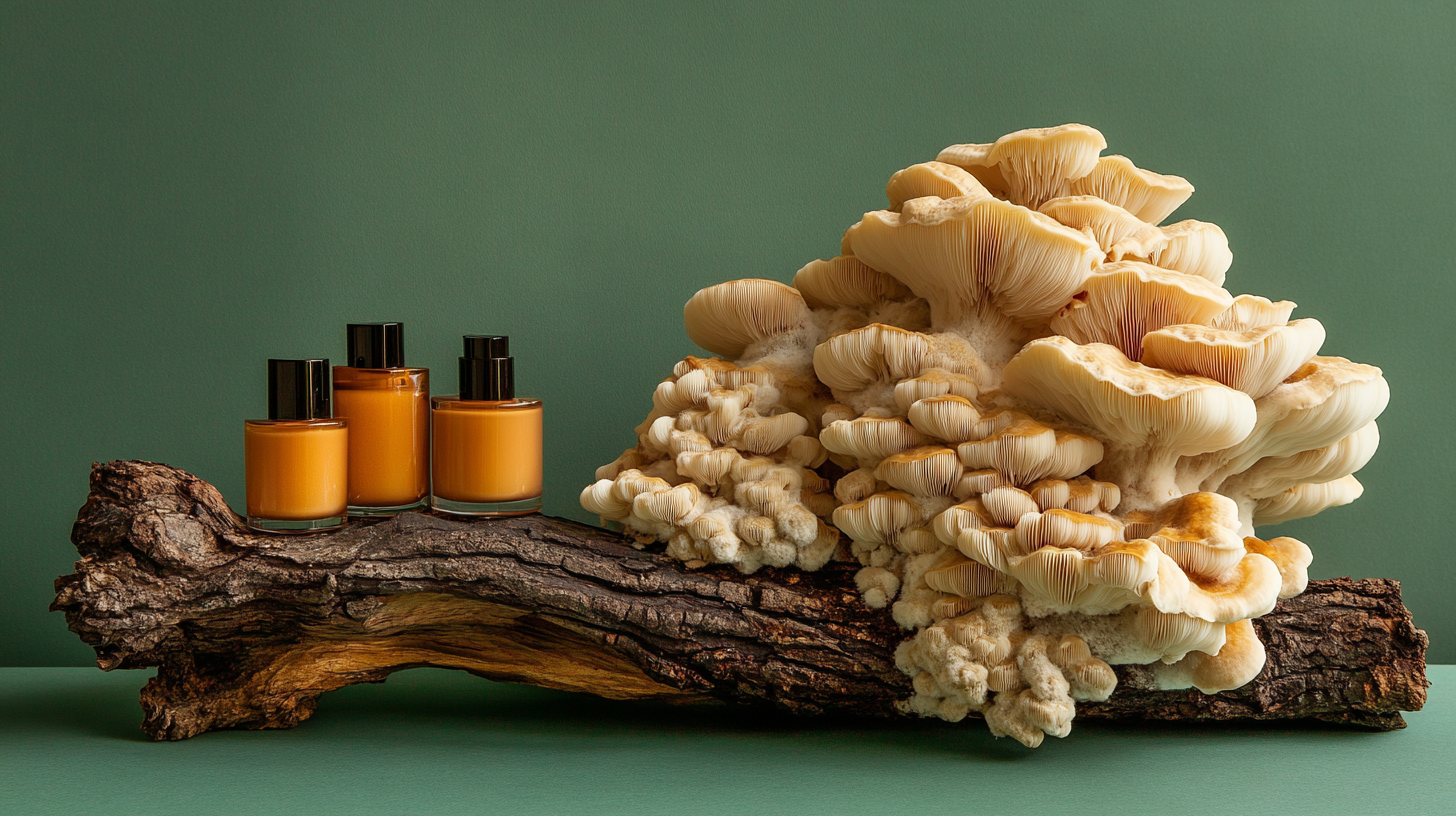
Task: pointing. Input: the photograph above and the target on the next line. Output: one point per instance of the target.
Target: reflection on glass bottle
(487, 442)
(387, 407)
(296, 460)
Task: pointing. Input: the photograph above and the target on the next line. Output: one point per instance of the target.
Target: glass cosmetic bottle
(296, 460)
(487, 442)
(388, 409)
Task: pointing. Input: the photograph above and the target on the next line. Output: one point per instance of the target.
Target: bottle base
(519, 507)
(263, 525)
(362, 511)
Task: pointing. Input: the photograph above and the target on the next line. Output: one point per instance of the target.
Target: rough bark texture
(247, 630)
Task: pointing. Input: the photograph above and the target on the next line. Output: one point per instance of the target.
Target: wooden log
(247, 630)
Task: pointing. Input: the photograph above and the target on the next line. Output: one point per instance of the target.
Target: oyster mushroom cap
(725, 319)
(1253, 361)
(1030, 166)
(1123, 301)
(932, 179)
(1098, 386)
(1147, 195)
(855, 359)
(845, 281)
(1302, 501)
(1251, 312)
(968, 254)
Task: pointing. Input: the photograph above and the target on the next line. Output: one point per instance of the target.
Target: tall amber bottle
(487, 441)
(296, 461)
(388, 409)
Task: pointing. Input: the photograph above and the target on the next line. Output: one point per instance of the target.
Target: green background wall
(189, 188)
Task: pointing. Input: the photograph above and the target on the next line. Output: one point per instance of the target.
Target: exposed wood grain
(247, 630)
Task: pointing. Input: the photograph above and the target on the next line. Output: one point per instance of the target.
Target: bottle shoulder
(293, 425)
(348, 378)
(453, 402)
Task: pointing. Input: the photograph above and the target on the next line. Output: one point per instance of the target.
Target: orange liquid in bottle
(488, 453)
(389, 435)
(296, 469)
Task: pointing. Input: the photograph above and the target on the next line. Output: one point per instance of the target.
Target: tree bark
(247, 630)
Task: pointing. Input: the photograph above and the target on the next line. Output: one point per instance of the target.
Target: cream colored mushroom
(1172, 636)
(1026, 451)
(1253, 361)
(1031, 166)
(933, 383)
(1192, 247)
(1067, 529)
(1147, 195)
(925, 471)
(1291, 556)
(855, 359)
(1305, 500)
(977, 482)
(870, 439)
(932, 179)
(1006, 505)
(1199, 531)
(1238, 662)
(1253, 312)
(1158, 416)
(878, 519)
(1125, 300)
(967, 578)
(846, 281)
(976, 257)
(727, 318)
(1275, 474)
(1081, 495)
(1106, 223)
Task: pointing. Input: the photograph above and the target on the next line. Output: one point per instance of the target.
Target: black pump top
(376, 345)
(298, 389)
(487, 371)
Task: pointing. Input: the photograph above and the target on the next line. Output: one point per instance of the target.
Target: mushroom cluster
(1032, 414)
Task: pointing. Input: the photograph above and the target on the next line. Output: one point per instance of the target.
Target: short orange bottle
(388, 409)
(486, 453)
(296, 461)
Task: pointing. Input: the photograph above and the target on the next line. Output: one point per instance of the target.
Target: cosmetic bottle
(296, 461)
(388, 410)
(487, 442)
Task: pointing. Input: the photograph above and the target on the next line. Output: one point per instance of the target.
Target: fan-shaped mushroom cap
(926, 471)
(962, 254)
(1325, 400)
(1106, 223)
(1128, 299)
(968, 578)
(1192, 247)
(768, 434)
(951, 522)
(707, 468)
(931, 383)
(1066, 529)
(1252, 312)
(1248, 590)
(846, 281)
(1275, 474)
(856, 359)
(1253, 361)
(870, 439)
(1007, 504)
(1131, 403)
(1068, 580)
(600, 498)
(878, 519)
(1238, 662)
(675, 506)
(932, 179)
(1292, 558)
(1172, 636)
(1302, 501)
(1199, 531)
(1026, 451)
(1080, 495)
(727, 318)
(1033, 165)
(1147, 195)
(977, 482)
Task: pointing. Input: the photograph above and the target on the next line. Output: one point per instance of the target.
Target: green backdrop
(189, 188)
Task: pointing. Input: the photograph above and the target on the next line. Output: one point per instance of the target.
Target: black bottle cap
(298, 389)
(376, 345)
(487, 371)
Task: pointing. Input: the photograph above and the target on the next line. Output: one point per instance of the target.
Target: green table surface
(432, 741)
